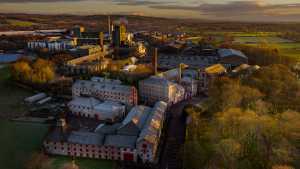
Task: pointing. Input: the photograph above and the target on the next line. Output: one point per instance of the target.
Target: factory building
(106, 91)
(158, 88)
(53, 45)
(108, 141)
(92, 108)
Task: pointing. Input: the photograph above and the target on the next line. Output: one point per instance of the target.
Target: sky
(236, 10)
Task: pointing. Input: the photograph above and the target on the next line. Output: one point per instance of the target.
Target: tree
(38, 161)
(71, 165)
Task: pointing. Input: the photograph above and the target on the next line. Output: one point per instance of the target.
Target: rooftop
(138, 115)
(86, 138)
(120, 141)
(231, 52)
(215, 69)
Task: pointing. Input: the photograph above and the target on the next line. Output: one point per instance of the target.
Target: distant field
(258, 39)
(19, 23)
(18, 141)
(11, 97)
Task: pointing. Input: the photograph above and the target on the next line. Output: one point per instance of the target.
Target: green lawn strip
(84, 163)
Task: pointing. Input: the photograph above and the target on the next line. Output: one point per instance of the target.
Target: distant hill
(136, 23)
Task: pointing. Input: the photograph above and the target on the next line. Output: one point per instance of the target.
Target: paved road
(171, 157)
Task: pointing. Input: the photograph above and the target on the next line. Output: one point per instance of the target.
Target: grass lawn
(83, 163)
(258, 39)
(18, 142)
(19, 23)
(11, 97)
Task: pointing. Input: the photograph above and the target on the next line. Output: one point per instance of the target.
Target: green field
(19, 23)
(18, 141)
(11, 98)
(258, 39)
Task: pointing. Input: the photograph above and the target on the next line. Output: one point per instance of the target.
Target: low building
(92, 108)
(232, 58)
(157, 88)
(106, 91)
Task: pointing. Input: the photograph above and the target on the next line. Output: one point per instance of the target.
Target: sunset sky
(242, 10)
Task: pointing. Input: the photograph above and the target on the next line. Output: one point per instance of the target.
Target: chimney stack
(109, 27)
(154, 61)
(101, 38)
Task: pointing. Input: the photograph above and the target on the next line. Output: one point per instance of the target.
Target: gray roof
(138, 116)
(231, 52)
(108, 129)
(57, 135)
(157, 81)
(86, 138)
(120, 141)
(84, 101)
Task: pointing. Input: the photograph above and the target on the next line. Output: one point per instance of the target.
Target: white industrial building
(93, 108)
(157, 88)
(52, 44)
(105, 90)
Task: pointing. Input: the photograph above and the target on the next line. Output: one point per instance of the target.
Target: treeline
(39, 72)
(294, 36)
(247, 124)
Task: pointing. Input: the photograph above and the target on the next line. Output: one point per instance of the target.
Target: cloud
(234, 9)
(139, 2)
(26, 1)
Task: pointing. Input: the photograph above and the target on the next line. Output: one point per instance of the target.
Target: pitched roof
(138, 116)
(215, 69)
(120, 141)
(86, 138)
(153, 125)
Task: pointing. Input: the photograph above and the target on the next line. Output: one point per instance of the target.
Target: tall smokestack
(154, 61)
(109, 27)
(101, 39)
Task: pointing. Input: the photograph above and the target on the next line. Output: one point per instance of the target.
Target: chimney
(180, 72)
(154, 61)
(62, 124)
(109, 27)
(101, 39)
